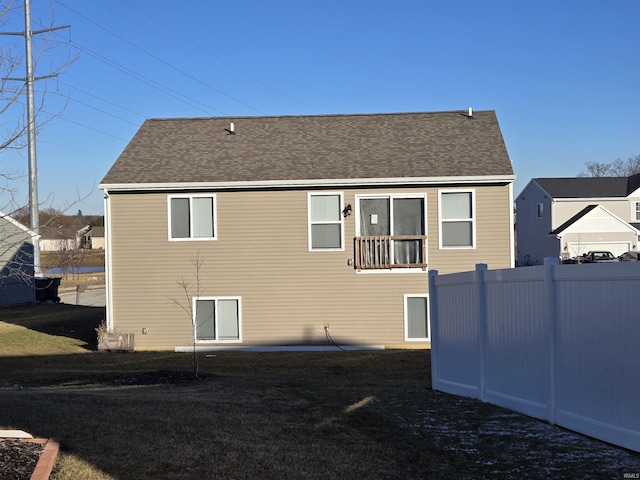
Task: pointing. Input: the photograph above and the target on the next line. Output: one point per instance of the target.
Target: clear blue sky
(563, 76)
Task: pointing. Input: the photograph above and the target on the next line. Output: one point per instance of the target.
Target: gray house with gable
(16, 262)
(567, 217)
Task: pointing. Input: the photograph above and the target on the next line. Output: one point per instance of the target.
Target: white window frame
(215, 300)
(472, 220)
(310, 223)
(190, 197)
(636, 211)
(406, 318)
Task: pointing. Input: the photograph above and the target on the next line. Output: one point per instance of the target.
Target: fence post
(551, 328)
(481, 292)
(434, 327)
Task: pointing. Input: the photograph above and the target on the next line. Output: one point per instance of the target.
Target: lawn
(331, 415)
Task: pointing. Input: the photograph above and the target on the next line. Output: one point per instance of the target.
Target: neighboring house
(95, 238)
(16, 262)
(305, 226)
(59, 238)
(62, 238)
(567, 217)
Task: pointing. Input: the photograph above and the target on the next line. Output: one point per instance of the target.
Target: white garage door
(616, 248)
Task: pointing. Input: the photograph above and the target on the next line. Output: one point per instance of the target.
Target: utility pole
(34, 215)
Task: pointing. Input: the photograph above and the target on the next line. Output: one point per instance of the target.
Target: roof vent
(470, 114)
(232, 129)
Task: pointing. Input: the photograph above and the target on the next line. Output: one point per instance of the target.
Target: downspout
(512, 227)
(107, 261)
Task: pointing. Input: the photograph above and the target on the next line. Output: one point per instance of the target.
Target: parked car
(630, 256)
(598, 256)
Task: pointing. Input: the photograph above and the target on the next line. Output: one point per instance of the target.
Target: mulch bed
(18, 459)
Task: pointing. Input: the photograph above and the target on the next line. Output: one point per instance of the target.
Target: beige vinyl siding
(564, 210)
(261, 255)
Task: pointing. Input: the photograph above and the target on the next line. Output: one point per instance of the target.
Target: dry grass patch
(332, 415)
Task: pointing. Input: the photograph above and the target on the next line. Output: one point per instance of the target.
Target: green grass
(332, 415)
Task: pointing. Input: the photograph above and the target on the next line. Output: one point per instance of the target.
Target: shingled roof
(589, 187)
(307, 148)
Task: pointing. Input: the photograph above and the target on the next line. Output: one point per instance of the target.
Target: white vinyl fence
(556, 342)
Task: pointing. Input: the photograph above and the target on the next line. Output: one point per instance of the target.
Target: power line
(103, 99)
(155, 57)
(208, 52)
(150, 82)
(104, 111)
(78, 123)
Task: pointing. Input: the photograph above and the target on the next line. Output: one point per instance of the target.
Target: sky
(562, 75)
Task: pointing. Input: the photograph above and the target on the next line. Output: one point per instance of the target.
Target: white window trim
(634, 211)
(383, 271)
(341, 206)
(215, 299)
(473, 219)
(406, 318)
(191, 196)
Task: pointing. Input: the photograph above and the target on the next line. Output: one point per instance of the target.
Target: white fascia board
(360, 182)
(591, 199)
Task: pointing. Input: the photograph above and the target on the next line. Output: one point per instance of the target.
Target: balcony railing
(387, 252)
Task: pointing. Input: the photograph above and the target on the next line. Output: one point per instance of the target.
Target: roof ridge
(319, 115)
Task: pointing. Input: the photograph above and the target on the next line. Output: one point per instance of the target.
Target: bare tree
(16, 263)
(13, 80)
(191, 290)
(596, 169)
(617, 168)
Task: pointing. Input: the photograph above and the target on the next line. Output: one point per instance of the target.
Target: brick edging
(47, 459)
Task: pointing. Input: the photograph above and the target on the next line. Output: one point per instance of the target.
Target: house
(16, 262)
(300, 230)
(59, 238)
(95, 238)
(567, 217)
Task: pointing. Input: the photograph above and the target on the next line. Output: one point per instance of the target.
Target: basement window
(217, 319)
(416, 318)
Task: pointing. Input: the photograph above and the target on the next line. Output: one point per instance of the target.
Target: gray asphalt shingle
(289, 148)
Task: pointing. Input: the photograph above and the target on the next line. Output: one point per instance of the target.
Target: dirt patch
(142, 378)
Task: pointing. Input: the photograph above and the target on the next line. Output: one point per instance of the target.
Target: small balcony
(387, 252)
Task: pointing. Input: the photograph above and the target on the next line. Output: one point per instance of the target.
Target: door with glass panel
(392, 233)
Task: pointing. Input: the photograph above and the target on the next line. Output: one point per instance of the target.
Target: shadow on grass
(333, 415)
(253, 415)
(61, 320)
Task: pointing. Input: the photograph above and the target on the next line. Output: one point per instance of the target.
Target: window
(416, 317)
(638, 211)
(217, 319)
(192, 217)
(325, 221)
(457, 219)
(540, 210)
